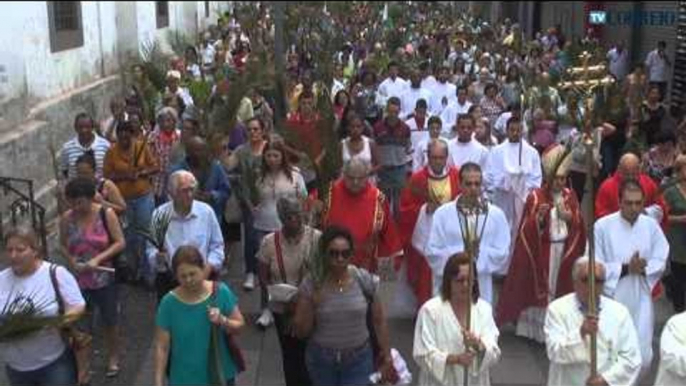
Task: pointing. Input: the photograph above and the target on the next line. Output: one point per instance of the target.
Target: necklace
(341, 284)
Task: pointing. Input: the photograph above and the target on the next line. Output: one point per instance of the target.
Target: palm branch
(21, 318)
(157, 231)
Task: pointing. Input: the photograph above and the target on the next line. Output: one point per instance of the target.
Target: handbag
(233, 214)
(234, 350)
(121, 266)
(79, 342)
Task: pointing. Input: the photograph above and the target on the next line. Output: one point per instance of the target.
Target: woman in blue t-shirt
(184, 319)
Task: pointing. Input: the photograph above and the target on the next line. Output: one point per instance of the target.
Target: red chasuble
(526, 283)
(367, 217)
(607, 201)
(413, 197)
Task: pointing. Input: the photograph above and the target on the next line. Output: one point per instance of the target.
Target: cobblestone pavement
(523, 362)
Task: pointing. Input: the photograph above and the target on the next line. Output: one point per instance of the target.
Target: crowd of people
(463, 177)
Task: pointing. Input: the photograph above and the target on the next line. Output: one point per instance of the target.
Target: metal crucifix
(585, 82)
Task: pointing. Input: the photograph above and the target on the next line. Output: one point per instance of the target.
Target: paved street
(523, 362)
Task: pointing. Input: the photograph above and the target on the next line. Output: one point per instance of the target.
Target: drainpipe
(102, 51)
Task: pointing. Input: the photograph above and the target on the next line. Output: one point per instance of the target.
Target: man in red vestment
(607, 201)
(428, 188)
(550, 239)
(360, 207)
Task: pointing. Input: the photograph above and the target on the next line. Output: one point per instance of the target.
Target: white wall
(33, 73)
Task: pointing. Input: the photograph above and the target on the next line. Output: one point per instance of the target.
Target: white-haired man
(190, 222)
(568, 327)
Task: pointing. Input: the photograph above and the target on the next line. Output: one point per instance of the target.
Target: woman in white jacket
(443, 347)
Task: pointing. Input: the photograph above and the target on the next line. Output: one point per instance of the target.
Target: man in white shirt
(618, 57)
(454, 110)
(86, 140)
(658, 65)
(465, 148)
(188, 222)
(500, 126)
(443, 91)
(513, 170)
(568, 327)
(393, 86)
(412, 94)
(634, 250)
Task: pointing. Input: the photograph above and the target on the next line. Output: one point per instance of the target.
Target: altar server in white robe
(672, 370)
(512, 172)
(568, 329)
(634, 250)
(465, 148)
(446, 237)
(443, 346)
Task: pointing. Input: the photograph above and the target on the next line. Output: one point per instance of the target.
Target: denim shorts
(60, 372)
(106, 300)
(331, 367)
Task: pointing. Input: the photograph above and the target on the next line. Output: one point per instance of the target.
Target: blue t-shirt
(189, 328)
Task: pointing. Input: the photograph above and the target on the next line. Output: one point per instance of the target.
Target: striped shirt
(73, 149)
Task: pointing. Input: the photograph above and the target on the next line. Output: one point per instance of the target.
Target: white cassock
(451, 113)
(408, 101)
(391, 88)
(438, 334)
(472, 151)
(511, 182)
(672, 370)
(619, 357)
(417, 134)
(445, 240)
(616, 240)
(445, 90)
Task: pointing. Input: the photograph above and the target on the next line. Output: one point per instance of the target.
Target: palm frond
(21, 317)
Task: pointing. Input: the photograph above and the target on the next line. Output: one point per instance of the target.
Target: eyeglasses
(346, 253)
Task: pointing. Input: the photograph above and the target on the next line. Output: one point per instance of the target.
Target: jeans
(138, 214)
(329, 367)
(292, 353)
(250, 245)
(60, 372)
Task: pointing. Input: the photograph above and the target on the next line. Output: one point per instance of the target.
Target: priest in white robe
(443, 346)
(491, 227)
(454, 110)
(672, 370)
(567, 330)
(513, 170)
(634, 250)
(413, 93)
(465, 148)
(444, 92)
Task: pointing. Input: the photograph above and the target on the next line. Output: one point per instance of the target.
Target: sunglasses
(345, 253)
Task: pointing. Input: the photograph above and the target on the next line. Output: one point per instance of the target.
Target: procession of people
(441, 153)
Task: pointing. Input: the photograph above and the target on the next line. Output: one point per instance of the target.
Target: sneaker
(249, 283)
(266, 319)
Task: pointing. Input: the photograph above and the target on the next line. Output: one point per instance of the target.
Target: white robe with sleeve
(672, 370)
(509, 182)
(616, 240)
(460, 153)
(619, 357)
(438, 334)
(446, 240)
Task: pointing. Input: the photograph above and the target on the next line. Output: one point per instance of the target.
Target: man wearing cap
(550, 239)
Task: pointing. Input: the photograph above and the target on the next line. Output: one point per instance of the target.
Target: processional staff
(592, 77)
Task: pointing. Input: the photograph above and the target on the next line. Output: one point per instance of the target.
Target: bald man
(607, 201)
(431, 186)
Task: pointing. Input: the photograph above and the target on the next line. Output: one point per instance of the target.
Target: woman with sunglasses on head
(331, 313)
(444, 342)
